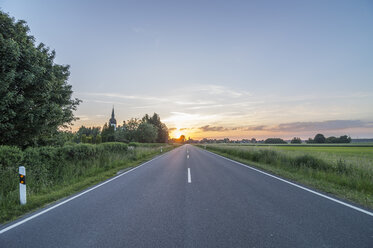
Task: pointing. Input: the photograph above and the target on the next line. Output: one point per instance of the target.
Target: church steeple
(113, 121)
(112, 113)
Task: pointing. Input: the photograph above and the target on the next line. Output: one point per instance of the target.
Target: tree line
(148, 129)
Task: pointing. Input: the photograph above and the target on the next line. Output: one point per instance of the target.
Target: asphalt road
(214, 203)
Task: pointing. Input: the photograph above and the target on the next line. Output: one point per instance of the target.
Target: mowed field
(343, 170)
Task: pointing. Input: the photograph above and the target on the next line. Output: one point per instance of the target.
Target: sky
(215, 69)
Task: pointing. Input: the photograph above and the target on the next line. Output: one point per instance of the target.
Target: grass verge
(343, 180)
(98, 170)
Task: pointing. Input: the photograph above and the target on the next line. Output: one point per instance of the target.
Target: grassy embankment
(56, 172)
(346, 172)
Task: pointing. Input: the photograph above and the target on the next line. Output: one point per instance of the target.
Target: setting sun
(176, 133)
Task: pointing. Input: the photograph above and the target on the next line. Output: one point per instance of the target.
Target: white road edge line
(296, 185)
(76, 196)
(189, 176)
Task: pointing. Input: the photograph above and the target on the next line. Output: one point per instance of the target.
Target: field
(344, 171)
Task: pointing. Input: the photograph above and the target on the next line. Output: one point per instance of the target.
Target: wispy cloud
(321, 125)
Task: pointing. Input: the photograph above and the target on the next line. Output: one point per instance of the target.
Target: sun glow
(176, 133)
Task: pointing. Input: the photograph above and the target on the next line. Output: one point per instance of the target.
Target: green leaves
(35, 94)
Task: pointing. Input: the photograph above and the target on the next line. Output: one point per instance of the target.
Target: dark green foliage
(107, 133)
(296, 140)
(275, 141)
(341, 139)
(91, 135)
(319, 138)
(162, 130)
(147, 133)
(46, 166)
(34, 94)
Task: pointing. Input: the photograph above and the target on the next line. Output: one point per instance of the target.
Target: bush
(47, 166)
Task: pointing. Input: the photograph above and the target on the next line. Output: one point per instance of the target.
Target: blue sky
(235, 69)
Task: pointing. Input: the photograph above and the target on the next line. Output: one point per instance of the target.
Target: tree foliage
(34, 94)
(162, 130)
(275, 141)
(296, 140)
(319, 138)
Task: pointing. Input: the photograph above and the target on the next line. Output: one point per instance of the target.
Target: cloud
(209, 128)
(295, 126)
(321, 125)
(254, 128)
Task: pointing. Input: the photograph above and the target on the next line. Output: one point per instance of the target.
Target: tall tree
(162, 129)
(35, 96)
(319, 138)
(147, 133)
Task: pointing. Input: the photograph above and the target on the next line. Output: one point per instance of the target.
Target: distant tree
(275, 141)
(296, 140)
(83, 138)
(98, 139)
(35, 96)
(147, 133)
(319, 138)
(88, 132)
(253, 140)
(331, 139)
(344, 139)
(107, 133)
(310, 141)
(341, 139)
(182, 139)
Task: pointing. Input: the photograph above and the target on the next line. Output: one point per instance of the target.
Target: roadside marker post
(22, 185)
(161, 149)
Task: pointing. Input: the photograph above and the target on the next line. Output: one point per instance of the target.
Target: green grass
(346, 172)
(75, 177)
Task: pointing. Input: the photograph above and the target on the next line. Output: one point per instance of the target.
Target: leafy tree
(341, 139)
(34, 94)
(130, 129)
(88, 132)
(107, 133)
(296, 140)
(162, 129)
(275, 141)
(147, 133)
(319, 138)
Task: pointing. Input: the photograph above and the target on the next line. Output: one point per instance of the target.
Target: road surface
(192, 198)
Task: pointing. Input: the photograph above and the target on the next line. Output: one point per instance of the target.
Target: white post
(161, 149)
(22, 185)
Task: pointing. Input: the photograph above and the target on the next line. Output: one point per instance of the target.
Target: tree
(319, 138)
(296, 140)
(162, 129)
(275, 141)
(147, 133)
(107, 133)
(34, 94)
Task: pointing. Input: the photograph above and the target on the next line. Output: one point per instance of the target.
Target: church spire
(113, 121)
